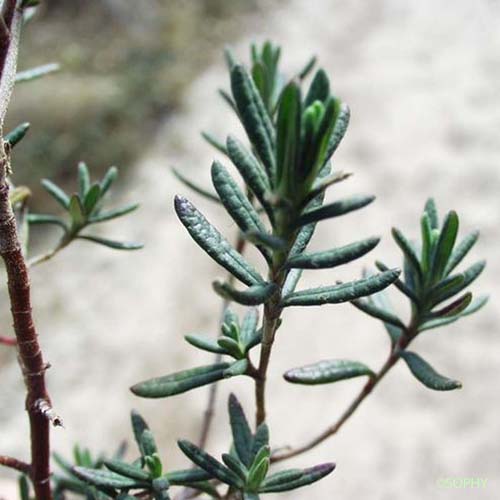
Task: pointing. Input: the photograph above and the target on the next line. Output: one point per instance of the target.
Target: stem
(16, 464)
(63, 243)
(363, 394)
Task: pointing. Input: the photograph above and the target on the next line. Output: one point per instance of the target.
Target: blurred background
(136, 87)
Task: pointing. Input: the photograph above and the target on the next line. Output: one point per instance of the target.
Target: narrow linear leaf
(304, 72)
(195, 187)
(116, 245)
(239, 367)
(107, 478)
(242, 435)
(46, 219)
(319, 90)
(204, 344)
(186, 477)
(214, 142)
(400, 285)
(335, 209)
(344, 292)
(445, 244)
(251, 171)
(323, 184)
(17, 135)
(56, 192)
(210, 464)
(339, 130)
(326, 372)
(108, 180)
(266, 240)
(372, 310)
(334, 257)
(249, 325)
(127, 470)
(235, 465)
(237, 204)
(260, 439)
(291, 282)
(252, 296)
(77, 212)
(427, 375)
(254, 117)
(289, 480)
(461, 252)
(83, 179)
(37, 72)
(213, 243)
(139, 426)
(257, 474)
(408, 251)
(113, 214)
(431, 211)
(179, 382)
(91, 198)
(456, 307)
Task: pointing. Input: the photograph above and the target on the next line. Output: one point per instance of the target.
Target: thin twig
(16, 464)
(39, 259)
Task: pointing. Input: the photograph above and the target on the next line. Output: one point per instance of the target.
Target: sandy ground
(422, 80)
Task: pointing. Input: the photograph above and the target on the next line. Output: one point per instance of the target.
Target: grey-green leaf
(116, 245)
(179, 382)
(184, 477)
(242, 435)
(344, 292)
(252, 296)
(239, 367)
(213, 243)
(377, 312)
(210, 464)
(56, 192)
(291, 479)
(334, 257)
(107, 478)
(445, 244)
(127, 470)
(460, 252)
(91, 198)
(205, 344)
(427, 375)
(113, 214)
(214, 142)
(195, 187)
(335, 209)
(17, 135)
(326, 372)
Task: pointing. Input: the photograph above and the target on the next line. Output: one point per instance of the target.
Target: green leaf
(107, 479)
(56, 192)
(24, 489)
(117, 245)
(113, 214)
(214, 142)
(291, 282)
(427, 375)
(260, 440)
(254, 117)
(17, 135)
(288, 139)
(46, 219)
(326, 372)
(431, 211)
(400, 285)
(92, 197)
(344, 292)
(469, 276)
(426, 230)
(321, 185)
(210, 240)
(372, 310)
(319, 89)
(304, 72)
(77, 213)
(291, 480)
(83, 180)
(339, 130)
(456, 307)
(108, 180)
(461, 251)
(204, 344)
(148, 443)
(257, 474)
(235, 465)
(186, 477)
(179, 382)
(265, 240)
(35, 73)
(139, 425)
(127, 470)
(249, 325)
(242, 435)
(231, 346)
(237, 368)
(236, 203)
(408, 251)
(334, 257)
(194, 187)
(252, 296)
(251, 171)
(210, 464)
(335, 209)
(228, 99)
(445, 244)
